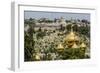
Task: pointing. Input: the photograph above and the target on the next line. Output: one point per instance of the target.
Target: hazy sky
(52, 15)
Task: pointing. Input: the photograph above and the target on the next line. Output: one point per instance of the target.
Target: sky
(52, 15)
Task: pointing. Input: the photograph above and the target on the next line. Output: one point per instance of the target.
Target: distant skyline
(53, 15)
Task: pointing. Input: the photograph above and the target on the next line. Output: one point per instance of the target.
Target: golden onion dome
(75, 46)
(60, 48)
(37, 57)
(71, 37)
(83, 45)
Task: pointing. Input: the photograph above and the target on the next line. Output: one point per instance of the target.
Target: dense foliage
(43, 42)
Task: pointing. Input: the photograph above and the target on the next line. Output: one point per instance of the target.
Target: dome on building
(37, 56)
(83, 45)
(60, 47)
(71, 37)
(75, 46)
